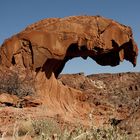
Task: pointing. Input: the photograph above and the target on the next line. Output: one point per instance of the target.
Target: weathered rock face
(42, 49)
(52, 42)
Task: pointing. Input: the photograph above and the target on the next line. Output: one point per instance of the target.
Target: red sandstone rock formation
(43, 48)
(56, 41)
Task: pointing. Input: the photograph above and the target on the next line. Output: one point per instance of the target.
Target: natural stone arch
(43, 48)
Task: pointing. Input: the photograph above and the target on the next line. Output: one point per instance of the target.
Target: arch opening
(56, 65)
(96, 54)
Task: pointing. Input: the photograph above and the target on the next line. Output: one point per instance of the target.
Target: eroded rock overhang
(48, 44)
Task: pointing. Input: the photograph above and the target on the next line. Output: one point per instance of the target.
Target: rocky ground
(116, 96)
(115, 99)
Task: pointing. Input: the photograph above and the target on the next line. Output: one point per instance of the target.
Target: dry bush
(48, 129)
(11, 83)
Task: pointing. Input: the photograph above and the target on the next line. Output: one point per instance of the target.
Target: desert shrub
(46, 127)
(11, 83)
(49, 129)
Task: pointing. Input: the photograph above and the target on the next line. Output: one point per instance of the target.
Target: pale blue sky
(15, 15)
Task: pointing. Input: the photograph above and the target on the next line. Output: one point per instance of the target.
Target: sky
(15, 15)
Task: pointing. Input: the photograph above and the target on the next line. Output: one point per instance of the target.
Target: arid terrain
(115, 101)
(38, 102)
(113, 96)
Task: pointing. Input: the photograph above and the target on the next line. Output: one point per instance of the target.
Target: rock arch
(44, 47)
